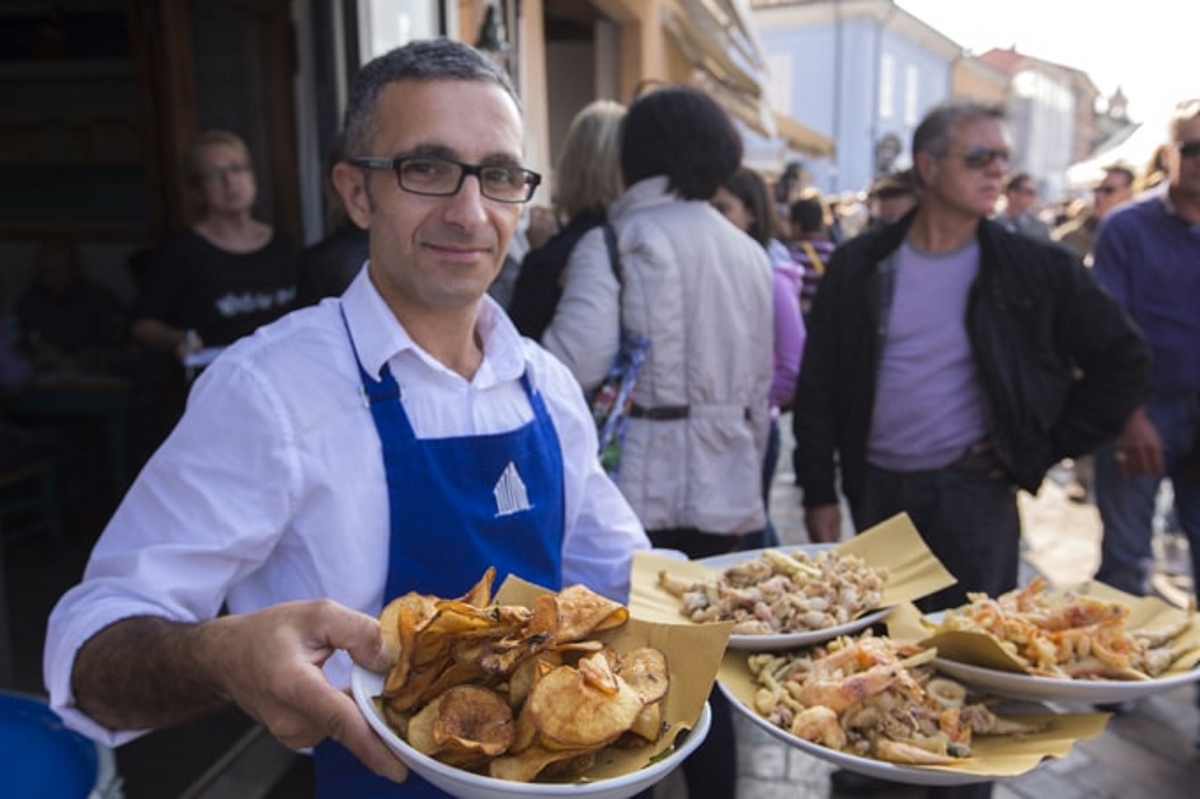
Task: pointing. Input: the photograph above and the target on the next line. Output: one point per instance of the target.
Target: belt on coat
(667, 413)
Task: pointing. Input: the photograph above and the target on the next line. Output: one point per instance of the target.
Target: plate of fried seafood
(1092, 644)
(784, 597)
(793, 595)
(551, 694)
(877, 706)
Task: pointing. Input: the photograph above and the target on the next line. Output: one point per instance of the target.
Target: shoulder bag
(612, 400)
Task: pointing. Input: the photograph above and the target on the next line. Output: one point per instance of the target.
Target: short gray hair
(936, 131)
(1185, 112)
(422, 60)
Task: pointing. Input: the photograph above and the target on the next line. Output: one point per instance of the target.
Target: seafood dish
(1070, 635)
(779, 592)
(877, 698)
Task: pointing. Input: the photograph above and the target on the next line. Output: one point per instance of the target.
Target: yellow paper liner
(913, 570)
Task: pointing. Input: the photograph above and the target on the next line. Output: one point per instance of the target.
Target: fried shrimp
(780, 592)
(1069, 635)
(873, 697)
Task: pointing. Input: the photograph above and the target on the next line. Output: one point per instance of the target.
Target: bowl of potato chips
(537, 693)
(467, 784)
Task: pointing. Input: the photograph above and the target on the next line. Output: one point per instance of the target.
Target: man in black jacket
(950, 363)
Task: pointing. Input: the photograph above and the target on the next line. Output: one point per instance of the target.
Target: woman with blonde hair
(227, 273)
(587, 180)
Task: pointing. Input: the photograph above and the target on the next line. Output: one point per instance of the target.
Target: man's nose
(467, 204)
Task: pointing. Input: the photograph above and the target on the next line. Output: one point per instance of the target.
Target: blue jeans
(1127, 504)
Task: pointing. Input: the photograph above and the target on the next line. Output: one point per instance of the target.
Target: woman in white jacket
(691, 464)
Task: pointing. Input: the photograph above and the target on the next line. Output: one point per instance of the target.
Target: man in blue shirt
(1147, 254)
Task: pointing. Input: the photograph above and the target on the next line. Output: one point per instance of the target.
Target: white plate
(469, 785)
(771, 642)
(1018, 685)
(1049, 689)
(912, 775)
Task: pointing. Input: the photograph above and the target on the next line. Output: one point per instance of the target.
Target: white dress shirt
(271, 487)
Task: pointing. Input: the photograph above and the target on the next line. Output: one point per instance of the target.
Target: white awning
(718, 40)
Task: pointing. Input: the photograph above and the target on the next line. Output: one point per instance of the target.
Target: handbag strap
(614, 255)
(817, 263)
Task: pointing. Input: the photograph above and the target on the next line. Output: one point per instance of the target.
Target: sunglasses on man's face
(1188, 149)
(980, 157)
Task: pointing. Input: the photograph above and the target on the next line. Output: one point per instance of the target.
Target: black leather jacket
(1061, 365)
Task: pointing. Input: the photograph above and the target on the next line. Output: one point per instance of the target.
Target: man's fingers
(347, 725)
(356, 633)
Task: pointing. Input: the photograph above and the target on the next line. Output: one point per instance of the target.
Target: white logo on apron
(510, 493)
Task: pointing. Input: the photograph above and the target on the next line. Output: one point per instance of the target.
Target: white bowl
(469, 785)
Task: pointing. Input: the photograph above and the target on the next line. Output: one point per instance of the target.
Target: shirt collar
(379, 337)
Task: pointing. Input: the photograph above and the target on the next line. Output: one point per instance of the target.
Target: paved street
(1146, 753)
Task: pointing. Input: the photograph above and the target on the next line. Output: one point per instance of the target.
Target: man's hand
(271, 668)
(824, 523)
(1139, 447)
(148, 672)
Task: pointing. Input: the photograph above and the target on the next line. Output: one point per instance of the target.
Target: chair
(29, 504)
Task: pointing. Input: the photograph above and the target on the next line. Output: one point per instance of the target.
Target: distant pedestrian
(922, 379)
(950, 363)
(1019, 214)
(811, 245)
(1079, 233)
(1148, 255)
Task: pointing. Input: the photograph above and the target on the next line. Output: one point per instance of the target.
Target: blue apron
(457, 506)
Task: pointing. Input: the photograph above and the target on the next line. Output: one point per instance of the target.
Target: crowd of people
(406, 429)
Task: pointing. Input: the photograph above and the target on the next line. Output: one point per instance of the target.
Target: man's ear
(351, 184)
(924, 165)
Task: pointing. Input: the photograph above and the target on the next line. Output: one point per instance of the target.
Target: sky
(1147, 47)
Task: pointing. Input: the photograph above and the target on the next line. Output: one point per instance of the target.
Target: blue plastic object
(39, 756)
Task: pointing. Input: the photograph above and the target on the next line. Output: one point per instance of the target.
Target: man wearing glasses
(950, 363)
(402, 437)
(1079, 234)
(1148, 255)
(954, 362)
(1020, 208)
(1114, 188)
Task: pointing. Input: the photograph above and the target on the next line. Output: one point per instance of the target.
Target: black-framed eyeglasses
(1188, 149)
(980, 157)
(435, 176)
(1105, 189)
(221, 172)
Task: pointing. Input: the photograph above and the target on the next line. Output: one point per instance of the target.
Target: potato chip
(645, 669)
(534, 761)
(463, 668)
(649, 723)
(583, 612)
(569, 712)
(465, 726)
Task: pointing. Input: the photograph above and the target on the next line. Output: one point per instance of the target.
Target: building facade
(862, 72)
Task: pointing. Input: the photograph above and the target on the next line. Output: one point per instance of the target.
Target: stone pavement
(1148, 752)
